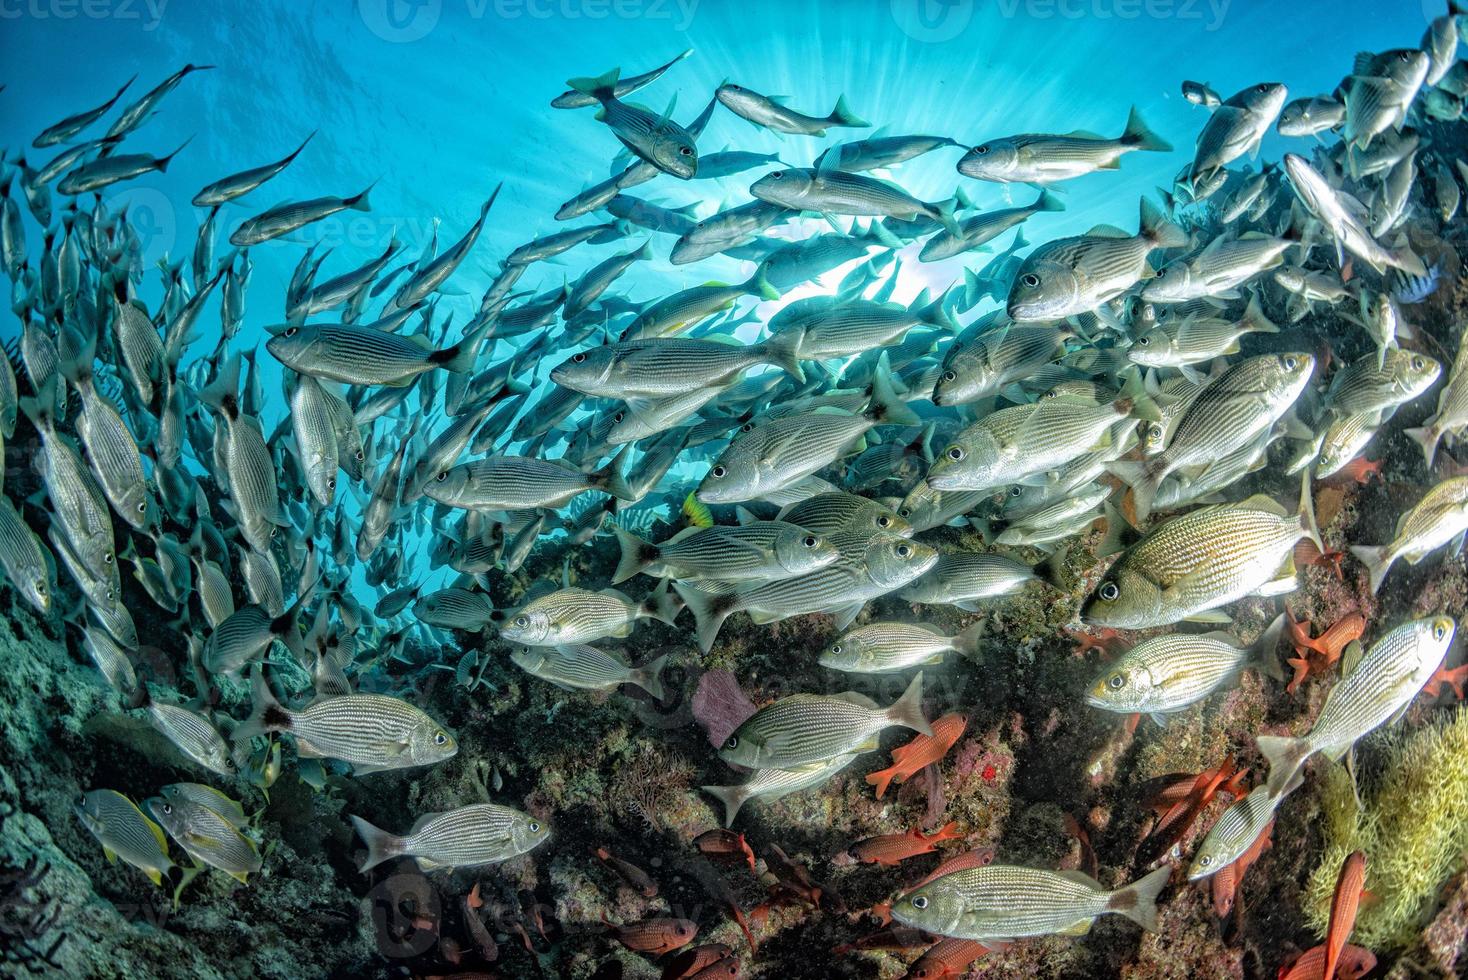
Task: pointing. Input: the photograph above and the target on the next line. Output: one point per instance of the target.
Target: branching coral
(1413, 826)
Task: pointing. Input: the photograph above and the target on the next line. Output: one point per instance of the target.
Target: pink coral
(720, 705)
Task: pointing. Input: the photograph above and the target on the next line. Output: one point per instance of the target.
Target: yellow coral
(1413, 826)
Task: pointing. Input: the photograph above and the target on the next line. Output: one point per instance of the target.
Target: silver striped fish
(772, 784)
(802, 729)
(1374, 693)
(125, 831)
(1439, 518)
(286, 218)
(498, 483)
(359, 355)
(468, 837)
(586, 668)
(207, 836)
(965, 578)
(23, 558)
(570, 616)
(194, 735)
(1233, 833)
(1001, 902)
(757, 551)
(878, 648)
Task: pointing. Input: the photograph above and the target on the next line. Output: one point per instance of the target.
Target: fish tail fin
(907, 710)
(936, 313)
(780, 351)
(610, 479)
(709, 612)
(661, 604)
(637, 554)
(883, 778)
(1135, 402)
(886, 407)
(1047, 201)
(1143, 476)
(1138, 135)
(968, 640)
(1138, 901)
(1405, 259)
(461, 357)
(1427, 437)
(1265, 658)
(359, 202)
(381, 846)
(1377, 559)
(649, 677)
(759, 285)
(1157, 230)
(1306, 512)
(843, 116)
(1254, 318)
(221, 393)
(78, 368)
(600, 88)
(267, 714)
(1286, 757)
(733, 798)
(163, 162)
(942, 212)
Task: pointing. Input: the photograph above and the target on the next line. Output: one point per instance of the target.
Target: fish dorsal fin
(1362, 63)
(693, 529)
(617, 594)
(419, 340)
(1350, 657)
(1081, 878)
(423, 819)
(1108, 231)
(1265, 503)
(853, 697)
(1084, 134)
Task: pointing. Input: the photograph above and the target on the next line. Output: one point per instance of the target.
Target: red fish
(792, 875)
(898, 937)
(725, 843)
(1226, 883)
(655, 936)
(949, 958)
(695, 958)
(1343, 906)
(629, 872)
(727, 968)
(978, 858)
(892, 849)
(1355, 962)
(1456, 678)
(923, 750)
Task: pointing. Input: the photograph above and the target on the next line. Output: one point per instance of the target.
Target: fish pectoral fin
(110, 854)
(1158, 718)
(240, 876)
(1077, 929)
(155, 876)
(1209, 616)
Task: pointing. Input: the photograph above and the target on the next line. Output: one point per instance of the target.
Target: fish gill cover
(692, 489)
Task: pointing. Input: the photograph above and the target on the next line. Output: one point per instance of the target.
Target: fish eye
(1016, 491)
(905, 512)
(40, 586)
(1205, 860)
(835, 648)
(289, 332)
(143, 507)
(619, 416)
(776, 174)
(522, 621)
(810, 542)
(1143, 341)
(1439, 631)
(168, 808)
(949, 376)
(1154, 431)
(717, 472)
(578, 358)
(534, 827)
(274, 531)
(1030, 279)
(903, 551)
(1291, 362)
(107, 558)
(360, 455)
(439, 738)
(687, 151)
(443, 475)
(1262, 88)
(1417, 363)
(331, 483)
(229, 764)
(1116, 682)
(955, 453)
(883, 520)
(982, 149)
(1109, 592)
(920, 902)
(732, 742)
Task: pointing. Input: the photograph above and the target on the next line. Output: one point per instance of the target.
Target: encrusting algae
(1412, 822)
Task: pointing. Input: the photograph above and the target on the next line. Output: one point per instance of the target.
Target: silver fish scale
(775, 783)
(969, 575)
(520, 482)
(807, 728)
(581, 666)
(864, 194)
(354, 727)
(194, 735)
(1183, 669)
(1440, 516)
(1225, 414)
(1101, 259)
(211, 838)
(1066, 148)
(806, 435)
(239, 638)
(828, 513)
(725, 550)
(1238, 827)
(583, 613)
(141, 346)
(113, 452)
(1232, 256)
(1222, 551)
(481, 833)
(20, 551)
(1387, 678)
(460, 605)
(127, 828)
(252, 476)
(368, 354)
(671, 364)
(1362, 387)
(1004, 901)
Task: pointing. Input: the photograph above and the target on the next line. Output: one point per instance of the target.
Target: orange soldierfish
(892, 849)
(922, 751)
(1355, 963)
(1343, 906)
(656, 936)
(725, 843)
(949, 958)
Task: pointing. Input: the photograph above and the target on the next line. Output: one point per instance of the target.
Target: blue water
(437, 101)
